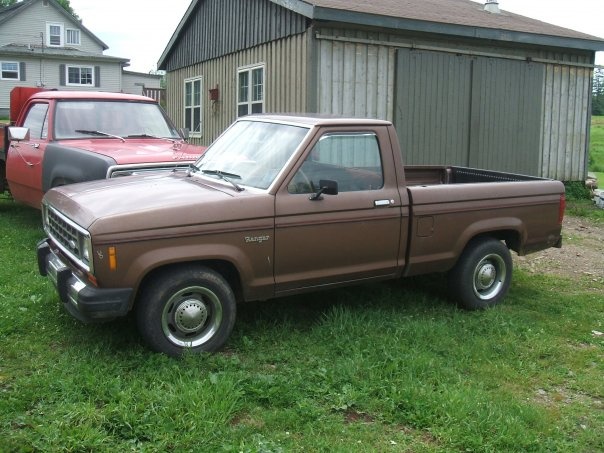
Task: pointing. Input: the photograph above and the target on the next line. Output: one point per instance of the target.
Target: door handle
(382, 203)
(34, 145)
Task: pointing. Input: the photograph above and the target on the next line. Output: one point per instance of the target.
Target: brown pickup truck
(280, 205)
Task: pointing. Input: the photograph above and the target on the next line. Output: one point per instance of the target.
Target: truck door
(354, 235)
(24, 159)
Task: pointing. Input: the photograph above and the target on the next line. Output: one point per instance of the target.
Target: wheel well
(510, 237)
(226, 269)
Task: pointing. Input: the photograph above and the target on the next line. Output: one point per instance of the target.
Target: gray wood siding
(567, 100)
(472, 111)
(286, 65)
(221, 27)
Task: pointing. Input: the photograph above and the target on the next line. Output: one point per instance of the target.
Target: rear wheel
(482, 276)
(189, 308)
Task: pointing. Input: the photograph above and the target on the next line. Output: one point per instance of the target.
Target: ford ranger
(280, 205)
(62, 137)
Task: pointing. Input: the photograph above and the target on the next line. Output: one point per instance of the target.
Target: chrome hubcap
(190, 315)
(489, 277)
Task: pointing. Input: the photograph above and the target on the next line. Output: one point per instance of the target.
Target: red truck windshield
(92, 118)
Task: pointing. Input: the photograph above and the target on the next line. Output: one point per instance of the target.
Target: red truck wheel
(190, 308)
(482, 276)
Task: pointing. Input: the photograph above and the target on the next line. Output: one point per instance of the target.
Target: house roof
(9, 12)
(453, 17)
(22, 50)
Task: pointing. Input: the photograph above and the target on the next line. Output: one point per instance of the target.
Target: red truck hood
(134, 151)
(140, 206)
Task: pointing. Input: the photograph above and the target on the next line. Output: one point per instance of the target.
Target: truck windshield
(253, 151)
(92, 118)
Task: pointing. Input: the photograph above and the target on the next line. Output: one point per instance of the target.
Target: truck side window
(36, 121)
(351, 159)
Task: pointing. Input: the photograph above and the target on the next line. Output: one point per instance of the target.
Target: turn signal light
(112, 259)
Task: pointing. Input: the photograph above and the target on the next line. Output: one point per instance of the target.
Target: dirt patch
(581, 255)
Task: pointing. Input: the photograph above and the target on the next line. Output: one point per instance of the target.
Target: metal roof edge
(176, 34)
(466, 31)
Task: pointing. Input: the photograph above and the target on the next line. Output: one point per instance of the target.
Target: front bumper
(82, 300)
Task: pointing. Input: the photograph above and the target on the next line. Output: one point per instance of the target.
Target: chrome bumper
(82, 300)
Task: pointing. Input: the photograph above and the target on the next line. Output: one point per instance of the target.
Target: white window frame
(252, 98)
(61, 34)
(79, 67)
(193, 106)
(76, 33)
(17, 72)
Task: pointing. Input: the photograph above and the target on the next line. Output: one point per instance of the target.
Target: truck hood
(132, 151)
(136, 207)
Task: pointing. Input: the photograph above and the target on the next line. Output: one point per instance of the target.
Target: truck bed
(428, 175)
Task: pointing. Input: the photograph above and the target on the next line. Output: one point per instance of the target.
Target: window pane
(73, 75)
(197, 92)
(188, 120)
(86, 78)
(243, 86)
(257, 108)
(188, 94)
(10, 71)
(242, 110)
(35, 120)
(196, 120)
(55, 35)
(73, 36)
(257, 91)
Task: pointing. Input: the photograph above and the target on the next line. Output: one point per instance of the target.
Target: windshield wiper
(225, 176)
(171, 140)
(104, 134)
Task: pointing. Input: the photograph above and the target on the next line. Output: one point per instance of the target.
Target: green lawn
(596, 148)
(384, 367)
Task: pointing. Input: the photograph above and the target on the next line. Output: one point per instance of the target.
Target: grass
(384, 367)
(596, 149)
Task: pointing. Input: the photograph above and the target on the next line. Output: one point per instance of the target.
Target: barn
(465, 83)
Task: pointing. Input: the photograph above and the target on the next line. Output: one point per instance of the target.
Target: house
(144, 84)
(464, 83)
(42, 45)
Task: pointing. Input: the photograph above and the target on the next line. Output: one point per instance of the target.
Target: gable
(214, 28)
(26, 22)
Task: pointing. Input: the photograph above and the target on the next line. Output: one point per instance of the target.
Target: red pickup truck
(63, 137)
(281, 205)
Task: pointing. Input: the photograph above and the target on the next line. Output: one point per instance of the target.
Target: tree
(597, 100)
(64, 3)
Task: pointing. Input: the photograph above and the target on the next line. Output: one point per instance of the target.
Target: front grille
(72, 239)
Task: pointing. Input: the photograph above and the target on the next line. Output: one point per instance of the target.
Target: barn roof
(459, 18)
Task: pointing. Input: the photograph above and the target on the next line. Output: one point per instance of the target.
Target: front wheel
(190, 308)
(482, 276)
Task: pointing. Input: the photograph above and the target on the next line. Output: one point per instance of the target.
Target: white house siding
(25, 28)
(132, 83)
(286, 66)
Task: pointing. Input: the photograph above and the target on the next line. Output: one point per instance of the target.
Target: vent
(492, 6)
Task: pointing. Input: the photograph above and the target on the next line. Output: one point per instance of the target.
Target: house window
(10, 70)
(54, 35)
(250, 88)
(72, 36)
(80, 75)
(193, 106)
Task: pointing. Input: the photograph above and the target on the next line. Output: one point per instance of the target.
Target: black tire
(186, 309)
(482, 275)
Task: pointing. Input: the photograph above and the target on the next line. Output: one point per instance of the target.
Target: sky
(141, 29)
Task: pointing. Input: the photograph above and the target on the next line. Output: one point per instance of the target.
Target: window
(80, 75)
(72, 36)
(10, 70)
(36, 121)
(193, 106)
(54, 34)
(250, 88)
(350, 159)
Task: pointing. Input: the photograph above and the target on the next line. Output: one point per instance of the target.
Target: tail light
(561, 209)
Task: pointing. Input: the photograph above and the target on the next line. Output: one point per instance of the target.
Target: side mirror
(184, 133)
(18, 134)
(327, 187)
